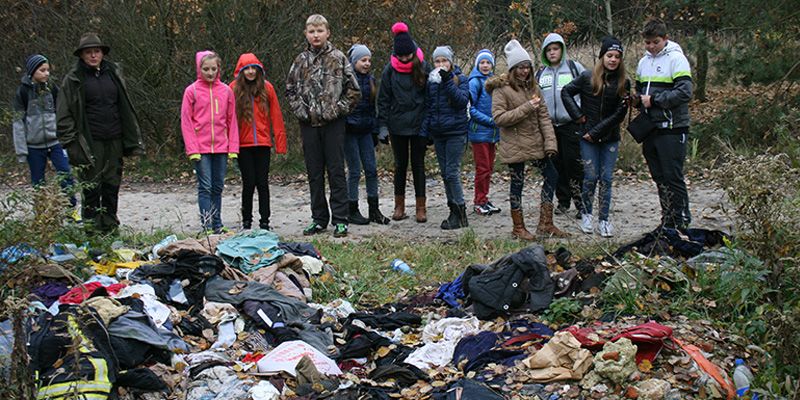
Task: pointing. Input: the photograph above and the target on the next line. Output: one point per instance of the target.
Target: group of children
(562, 119)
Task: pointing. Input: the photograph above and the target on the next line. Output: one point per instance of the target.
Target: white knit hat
(515, 54)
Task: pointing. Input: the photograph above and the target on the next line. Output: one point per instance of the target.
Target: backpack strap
(539, 73)
(573, 68)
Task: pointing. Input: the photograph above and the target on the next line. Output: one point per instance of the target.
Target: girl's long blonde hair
(599, 79)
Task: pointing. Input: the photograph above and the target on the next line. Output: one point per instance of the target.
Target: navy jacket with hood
(482, 128)
(446, 112)
(363, 119)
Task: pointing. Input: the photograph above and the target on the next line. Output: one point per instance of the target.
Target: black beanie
(403, 43)
(33, 63)
(610, 43)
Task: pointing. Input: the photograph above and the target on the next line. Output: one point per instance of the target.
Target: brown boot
(422, 212)
(399, 208)
(546, 227)
(519, 231)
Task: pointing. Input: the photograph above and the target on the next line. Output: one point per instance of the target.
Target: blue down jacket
(481, 128)
(446, 111)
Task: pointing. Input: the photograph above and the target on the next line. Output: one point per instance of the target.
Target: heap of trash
(235, 317)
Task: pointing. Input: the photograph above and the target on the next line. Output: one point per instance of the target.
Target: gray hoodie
(667, 78)
(553, 78)
(35, 119)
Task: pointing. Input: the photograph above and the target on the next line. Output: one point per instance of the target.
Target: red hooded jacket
(258, 134)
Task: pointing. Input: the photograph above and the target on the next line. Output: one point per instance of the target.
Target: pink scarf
(405, 68)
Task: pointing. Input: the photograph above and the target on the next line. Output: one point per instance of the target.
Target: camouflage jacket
(321, 86)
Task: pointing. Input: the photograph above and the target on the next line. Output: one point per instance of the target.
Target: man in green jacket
(97, 126)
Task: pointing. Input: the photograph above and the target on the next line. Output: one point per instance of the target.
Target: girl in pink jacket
(210, 135)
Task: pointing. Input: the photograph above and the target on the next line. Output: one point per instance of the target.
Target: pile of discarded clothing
(233, 317)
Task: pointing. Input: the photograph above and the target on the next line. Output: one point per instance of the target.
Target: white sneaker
(606, 229)
(586, 224)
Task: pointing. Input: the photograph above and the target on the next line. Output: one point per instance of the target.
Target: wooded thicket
(155, 40)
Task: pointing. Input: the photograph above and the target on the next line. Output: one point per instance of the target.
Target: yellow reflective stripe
(74, 387)
(660, 79)
(100, 369)
(75, 331)
(679, 74)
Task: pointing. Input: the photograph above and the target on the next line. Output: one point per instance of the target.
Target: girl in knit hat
(259, 116)
(526, 135)
(483, 132)
(34, 125)
(604, 102)
(360, 140)
(446, 123)
(401, 109)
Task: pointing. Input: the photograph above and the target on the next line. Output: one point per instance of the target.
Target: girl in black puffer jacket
(604, 102)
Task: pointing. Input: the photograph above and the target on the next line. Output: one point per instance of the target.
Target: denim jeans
(449, 152)
(359, 149)
(37, 162)
(599, 160)
(548, 171)
(210, 182)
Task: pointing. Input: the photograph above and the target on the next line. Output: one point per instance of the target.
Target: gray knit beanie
(516, 54)
(443, 51)
(357, 52)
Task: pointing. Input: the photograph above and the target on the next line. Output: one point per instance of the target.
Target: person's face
(92, 56)
(363, 65)
(317, 35)
(250, 73)
(485, 66)
(523, 71)
(441, 62)
(42, 74)
(553, 53)
(612, 59)
(209, 69)
(654, 44)
(405, 58)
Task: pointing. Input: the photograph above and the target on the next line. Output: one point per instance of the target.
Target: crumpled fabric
(452, 329)
(236, 292)
(312, 265)
(287, 276)
(190, 267)
(264, 391)
(250, 250)
(157, 310)
(82, 292)
(432, 355)
(468, 389)
(107, 308)
(300, 249)
(138, 325)
(470, 347)
(218, 383)
(50, 292)
(338, 309)
(219, 312)
(385, 321)
(452, 292)
(171, 250)
(561, 358)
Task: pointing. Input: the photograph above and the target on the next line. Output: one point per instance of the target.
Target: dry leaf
(645, 366)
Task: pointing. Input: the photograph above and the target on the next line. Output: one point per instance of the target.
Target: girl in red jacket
(258, 112)
(210, 135)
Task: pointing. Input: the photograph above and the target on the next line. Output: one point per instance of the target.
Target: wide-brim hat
(90, 40)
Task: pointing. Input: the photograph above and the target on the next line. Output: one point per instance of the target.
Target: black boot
(462, 215)
(375, 212)
(453, 220)
(355, 215)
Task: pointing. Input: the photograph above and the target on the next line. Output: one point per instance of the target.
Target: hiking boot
(221, 230)
(355, 216)
(375, 212)
(399, 208)
(587, 225)
(462, 215)
(482, 209)
(492, 208)
(519, 230)
(340, 230)
(422, 211)
(453, 220)
(546, 226)
(606, 229)
(562, 209)
(264, 226)
(313, 229)
(247, 225)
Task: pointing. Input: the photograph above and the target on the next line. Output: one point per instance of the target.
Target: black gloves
(444, 74)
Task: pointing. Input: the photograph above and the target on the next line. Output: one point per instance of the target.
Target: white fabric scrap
(451, 329)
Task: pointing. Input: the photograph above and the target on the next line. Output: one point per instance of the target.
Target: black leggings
(254, 166)
(400, 146)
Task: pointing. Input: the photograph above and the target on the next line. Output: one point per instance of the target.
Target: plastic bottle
(742, 377)
(401, 266)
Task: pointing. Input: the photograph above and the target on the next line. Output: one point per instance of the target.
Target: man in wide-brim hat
(97, 126)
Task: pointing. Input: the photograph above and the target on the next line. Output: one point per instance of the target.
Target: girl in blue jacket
(446, 122)
(483, 133)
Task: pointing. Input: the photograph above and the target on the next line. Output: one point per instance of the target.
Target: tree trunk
(702, 67)
(608, 18)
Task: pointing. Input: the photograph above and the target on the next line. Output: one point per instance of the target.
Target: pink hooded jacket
(208, 116)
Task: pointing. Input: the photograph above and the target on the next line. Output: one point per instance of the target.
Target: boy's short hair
(655, 27)
(317, 19)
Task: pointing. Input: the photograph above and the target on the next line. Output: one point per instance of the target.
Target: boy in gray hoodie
(556, 72)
